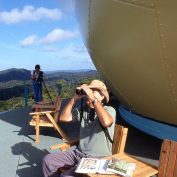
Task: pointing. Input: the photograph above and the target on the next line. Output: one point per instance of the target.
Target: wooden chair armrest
(65, 145)
(44, 102)
(41, 113)
(43, 106)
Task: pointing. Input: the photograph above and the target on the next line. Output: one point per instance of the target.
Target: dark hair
(37, 66)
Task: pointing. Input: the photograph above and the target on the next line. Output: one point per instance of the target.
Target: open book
(103, 166)
(93, 165)
(121, 167)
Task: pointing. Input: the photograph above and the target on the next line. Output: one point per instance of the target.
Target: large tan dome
(133, 44)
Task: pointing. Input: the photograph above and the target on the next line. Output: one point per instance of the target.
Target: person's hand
(33, 75)
(89, 92)
(77, 97)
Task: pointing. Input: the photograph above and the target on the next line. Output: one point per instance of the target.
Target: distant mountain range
(23, 74)
(69, 71)
(14, 74)
(12, 81)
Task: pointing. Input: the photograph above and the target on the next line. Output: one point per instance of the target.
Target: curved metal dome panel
(133, 45)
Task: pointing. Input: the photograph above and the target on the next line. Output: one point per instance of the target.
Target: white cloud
(29, 40)
(58, 35)
(53, 36)
(29, 13)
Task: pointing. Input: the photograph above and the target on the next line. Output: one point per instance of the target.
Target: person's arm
(104, 117)
(33, 77)
(66, 115)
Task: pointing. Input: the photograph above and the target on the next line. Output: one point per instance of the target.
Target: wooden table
(143, 169)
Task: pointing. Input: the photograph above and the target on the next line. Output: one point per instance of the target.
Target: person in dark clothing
(37, 78)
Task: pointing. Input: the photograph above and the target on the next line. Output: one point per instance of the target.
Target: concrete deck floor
(21, 157)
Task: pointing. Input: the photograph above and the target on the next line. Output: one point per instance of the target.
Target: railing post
(59, 89)
(26, 92)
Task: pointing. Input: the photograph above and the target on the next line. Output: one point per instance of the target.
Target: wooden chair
(47, 119)
(168, 159)
(119, 140)
(44, 106)
(167, 163)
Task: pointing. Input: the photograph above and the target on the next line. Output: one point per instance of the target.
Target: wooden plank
(46, 106)
(123, 140)
(175, 168)
(172, 159)
(42, 122)
(117, 137)
(145, 171)
(60, 131)
(64, 146)
(164, 154)
(120, 136)
(37, 129)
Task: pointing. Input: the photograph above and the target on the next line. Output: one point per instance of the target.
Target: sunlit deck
(21, 157)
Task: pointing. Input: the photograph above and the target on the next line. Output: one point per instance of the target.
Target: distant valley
(12, 81)
(24, 75)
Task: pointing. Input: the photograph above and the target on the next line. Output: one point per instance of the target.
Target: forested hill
(14, 74)
(24, 75)
(13, 81)
(72, 76)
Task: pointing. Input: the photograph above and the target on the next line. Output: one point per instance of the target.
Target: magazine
(121, 167)
(104, 166)
(93, 165)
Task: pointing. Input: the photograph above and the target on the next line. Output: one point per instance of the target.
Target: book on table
(104, 166)
(121, 167)
(93, 165)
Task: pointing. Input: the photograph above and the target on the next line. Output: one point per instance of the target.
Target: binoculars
(80, 92)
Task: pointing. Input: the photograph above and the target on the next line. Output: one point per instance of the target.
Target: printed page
(121, 167)
(103, 166)
(88, 165)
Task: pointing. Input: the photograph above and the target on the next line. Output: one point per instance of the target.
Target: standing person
(95, 118)
(37, 78)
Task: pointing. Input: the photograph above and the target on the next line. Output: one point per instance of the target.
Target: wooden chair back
(45, 106)
(168, 159)
(119, 139)
(57, 99)
(58, 105)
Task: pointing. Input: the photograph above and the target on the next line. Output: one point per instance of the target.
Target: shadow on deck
(21, 157)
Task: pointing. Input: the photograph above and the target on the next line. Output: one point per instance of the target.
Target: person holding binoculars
(95, 118)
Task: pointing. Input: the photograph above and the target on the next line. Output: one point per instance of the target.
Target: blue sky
(41, 32)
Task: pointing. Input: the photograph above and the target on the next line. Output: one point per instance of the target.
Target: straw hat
(97, 84)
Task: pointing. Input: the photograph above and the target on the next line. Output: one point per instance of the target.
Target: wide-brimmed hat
(97, 84)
